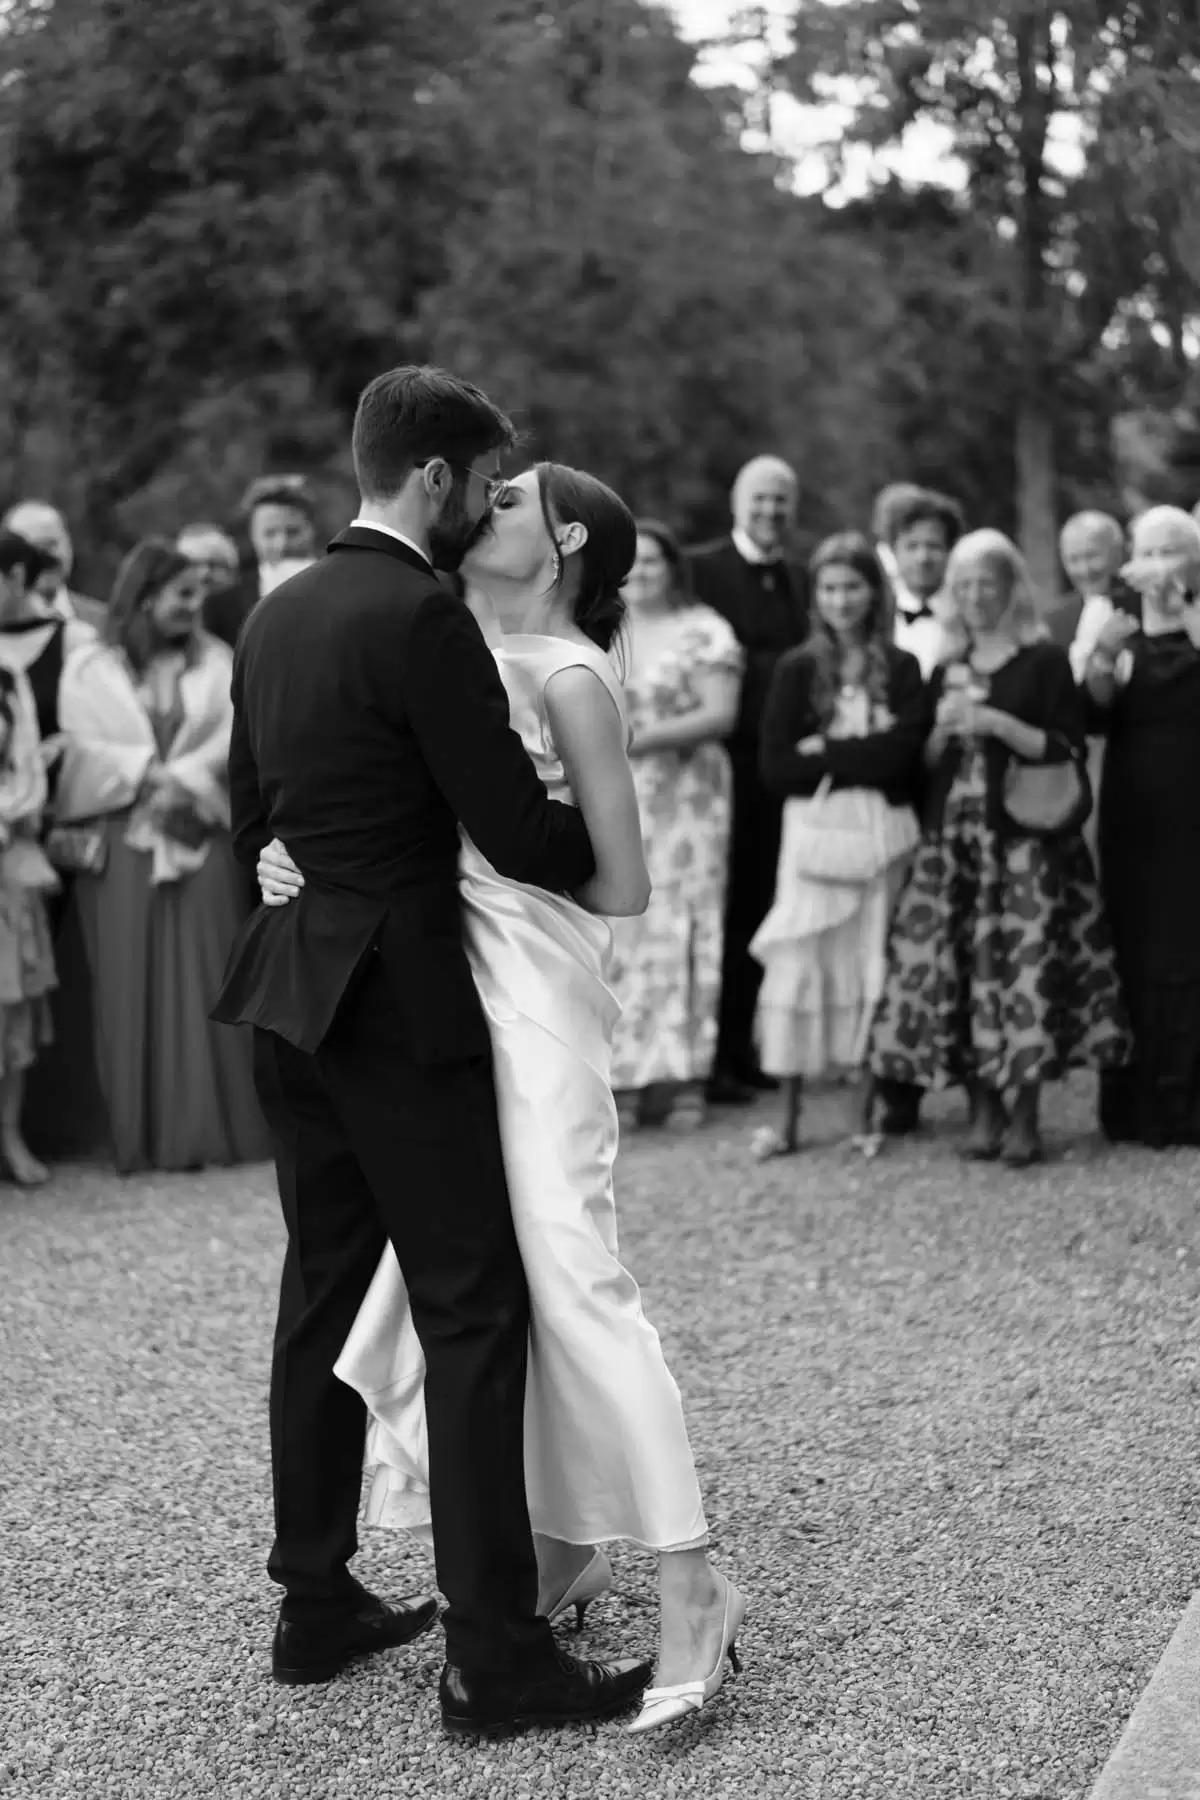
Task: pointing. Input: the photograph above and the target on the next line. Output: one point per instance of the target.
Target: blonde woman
(1143, 684)
(1001, 974)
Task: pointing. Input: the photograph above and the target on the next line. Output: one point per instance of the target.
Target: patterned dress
(1000, 966)
(666, 966)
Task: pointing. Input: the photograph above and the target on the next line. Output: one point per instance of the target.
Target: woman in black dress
(1144, 692)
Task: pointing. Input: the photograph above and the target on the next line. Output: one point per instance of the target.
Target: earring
(558, 566)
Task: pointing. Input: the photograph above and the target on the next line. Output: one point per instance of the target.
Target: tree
(1043, 104)
(227, 218)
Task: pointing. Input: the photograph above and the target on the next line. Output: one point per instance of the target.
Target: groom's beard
(453, 534)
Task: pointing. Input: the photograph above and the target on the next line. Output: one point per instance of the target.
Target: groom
(369, 723)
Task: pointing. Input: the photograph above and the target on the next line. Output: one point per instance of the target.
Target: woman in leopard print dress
(1001, 974)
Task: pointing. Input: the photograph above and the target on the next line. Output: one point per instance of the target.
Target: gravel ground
(945, 1420)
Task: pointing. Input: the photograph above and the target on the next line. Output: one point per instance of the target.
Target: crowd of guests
(866, 778)
(950, 839)
(119, 895)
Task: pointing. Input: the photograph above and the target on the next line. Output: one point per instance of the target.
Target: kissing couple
(438, 800)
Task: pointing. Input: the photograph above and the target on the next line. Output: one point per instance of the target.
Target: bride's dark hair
(573, 497)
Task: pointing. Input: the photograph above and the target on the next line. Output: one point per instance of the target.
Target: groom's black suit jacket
(369, 720)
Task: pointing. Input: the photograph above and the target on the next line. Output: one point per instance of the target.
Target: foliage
(1075, 124)
(222, 216)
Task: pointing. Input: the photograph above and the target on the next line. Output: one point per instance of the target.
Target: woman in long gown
(157, 896)
(607, 1453)
(1144, 691)
(1000, 969)
(682, 675)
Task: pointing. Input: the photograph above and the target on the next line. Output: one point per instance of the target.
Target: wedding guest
(923, 529)
(228, 596)
(1001, 974)
(33, 642)
(44, 526)
(1143, 685)
(1092, 548)
(146, 715)
(27, 972)
(897, 493)
(59, 1112)
(750, 578)
(281, 521)
(847, 713)
(682, 671)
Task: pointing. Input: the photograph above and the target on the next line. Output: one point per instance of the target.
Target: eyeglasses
(493, 485)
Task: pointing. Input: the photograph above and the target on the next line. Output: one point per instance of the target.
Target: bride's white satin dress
(606, 1449)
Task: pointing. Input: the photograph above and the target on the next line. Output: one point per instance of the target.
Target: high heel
(663, 1706)
(594, 1580)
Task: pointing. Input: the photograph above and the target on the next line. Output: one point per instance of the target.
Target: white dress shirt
(918, 629)
(1098, 609)
(749, 551)
(389, 531)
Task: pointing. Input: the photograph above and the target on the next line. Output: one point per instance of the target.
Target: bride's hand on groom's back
(279, 879)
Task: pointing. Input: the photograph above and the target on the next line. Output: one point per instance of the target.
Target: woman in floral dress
(682, 678)
(1001, 973)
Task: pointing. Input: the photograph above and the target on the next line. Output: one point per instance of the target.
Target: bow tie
(921, 609)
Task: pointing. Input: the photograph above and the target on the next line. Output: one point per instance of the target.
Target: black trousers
(371, 1146)
(753, 856)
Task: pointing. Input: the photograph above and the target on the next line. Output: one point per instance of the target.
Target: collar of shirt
(908, 603)
(389, 531)
(749, 551)
(61, 606)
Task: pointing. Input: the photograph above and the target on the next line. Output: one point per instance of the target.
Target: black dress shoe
(312, 1651)
(727, 1090)
(566, 1691)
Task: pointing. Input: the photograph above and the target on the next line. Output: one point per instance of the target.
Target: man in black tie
(369, 723)
(749, 578)
(921, 530)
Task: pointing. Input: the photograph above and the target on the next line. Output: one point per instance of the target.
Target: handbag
(835, 836)
(77, 849)
(1047, 799)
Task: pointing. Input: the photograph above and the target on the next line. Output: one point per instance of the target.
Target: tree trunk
(1037, 474)
(1037, 486)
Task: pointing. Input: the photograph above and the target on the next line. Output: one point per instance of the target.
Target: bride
(606, 1448)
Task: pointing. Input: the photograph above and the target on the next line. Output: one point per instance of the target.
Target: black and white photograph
(600, 900)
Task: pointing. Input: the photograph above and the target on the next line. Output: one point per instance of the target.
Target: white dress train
(606, 1450)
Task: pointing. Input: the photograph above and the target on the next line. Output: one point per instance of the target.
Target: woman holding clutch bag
(1001, 972)
(844, 724)
(142, 819)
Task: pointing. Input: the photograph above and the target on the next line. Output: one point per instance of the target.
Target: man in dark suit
(751, 581)
(370, 722)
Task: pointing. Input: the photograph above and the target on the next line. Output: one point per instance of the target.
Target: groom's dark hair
(414, 413)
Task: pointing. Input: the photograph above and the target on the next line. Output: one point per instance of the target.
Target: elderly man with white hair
(749, 577)
(43, 525)
(1092, 548)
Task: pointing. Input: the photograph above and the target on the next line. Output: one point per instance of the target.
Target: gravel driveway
(946, 1425)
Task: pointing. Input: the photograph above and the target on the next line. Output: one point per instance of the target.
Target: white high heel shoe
(662, 1706)
(593, 1581)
